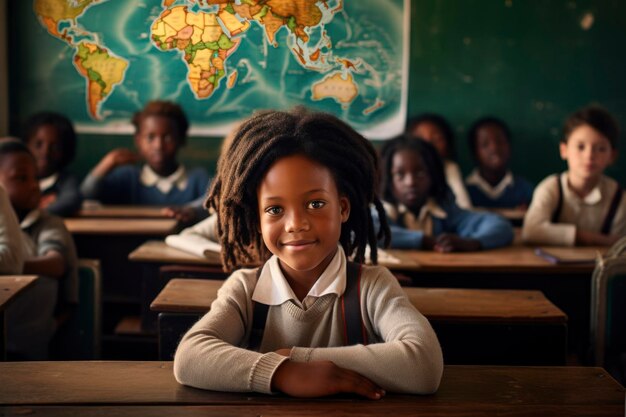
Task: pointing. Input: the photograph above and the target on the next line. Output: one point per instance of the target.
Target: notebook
(569, 255)
(193, 244)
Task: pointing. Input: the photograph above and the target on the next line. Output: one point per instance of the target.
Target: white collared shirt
(273, 288)
(29, 246)
(150, 178)
(492, 192)
(423, 221)
(48, 182)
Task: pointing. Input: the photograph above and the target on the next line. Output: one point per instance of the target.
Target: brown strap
(610, 215)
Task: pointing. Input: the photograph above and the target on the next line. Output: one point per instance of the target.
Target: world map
(223, 59)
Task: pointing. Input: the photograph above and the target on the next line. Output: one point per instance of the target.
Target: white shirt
(48, 182)
(150, 178)
(273, 288)
(423, 221)
(492, 192)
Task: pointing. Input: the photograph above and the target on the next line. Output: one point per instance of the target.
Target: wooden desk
(149, 388)
(10, 288)
(121, 227)
(122, 212)
(506, 326)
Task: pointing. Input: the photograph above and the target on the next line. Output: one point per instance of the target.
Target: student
(160, 131)
(435, 129)
(49, 253)
(52, 141)
(492, 184)
(11, 249)
(421, 207)
(293, 190)
(581, 206)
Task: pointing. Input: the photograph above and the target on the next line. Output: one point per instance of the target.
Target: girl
(52, 141)
(422, 209)
(436, 130)
(580, 206)
(294, 189)
(161, 129)
(492, 184)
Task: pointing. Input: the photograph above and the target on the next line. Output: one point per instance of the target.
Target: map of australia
(223, 59)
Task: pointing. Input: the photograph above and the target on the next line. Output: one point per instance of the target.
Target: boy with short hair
(49, 252)
(581, 206)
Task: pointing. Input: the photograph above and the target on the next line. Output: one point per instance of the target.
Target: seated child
(436, 130)
(293, 190)
(11, 249)
(421, 207)
(492, 184)
(160, 131)
(581, 206)
(49, 253)
(52, 141)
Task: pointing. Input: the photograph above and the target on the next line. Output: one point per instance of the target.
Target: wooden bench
(149, 388)
(504, 326)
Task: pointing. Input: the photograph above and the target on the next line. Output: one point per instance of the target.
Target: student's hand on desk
(115, 158)
(448, 242)
(587, 238)
(322, 378)
(182, 214)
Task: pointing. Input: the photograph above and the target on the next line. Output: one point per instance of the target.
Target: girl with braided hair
(294, 190)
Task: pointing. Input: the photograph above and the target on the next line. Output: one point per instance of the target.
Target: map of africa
(99, 61)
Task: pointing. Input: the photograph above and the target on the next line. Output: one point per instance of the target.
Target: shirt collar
(492, 192)
(273, 289)
(178, 178)
(48, 182)
(30, 219)
(594, 197)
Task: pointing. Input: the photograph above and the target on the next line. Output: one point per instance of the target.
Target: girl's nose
(296, 222)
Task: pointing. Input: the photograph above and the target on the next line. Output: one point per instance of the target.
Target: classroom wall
(529, 62)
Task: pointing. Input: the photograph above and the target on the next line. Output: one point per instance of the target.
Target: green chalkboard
(530, 63)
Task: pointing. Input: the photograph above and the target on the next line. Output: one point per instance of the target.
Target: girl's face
(430, 132)
(588, 153)
(410, 178)
(301, 213)
(493, 150)
(18, 175)
(157, 141)
(47, 147)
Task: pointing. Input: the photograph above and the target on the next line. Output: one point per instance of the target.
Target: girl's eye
(274, 210)
(317, 204)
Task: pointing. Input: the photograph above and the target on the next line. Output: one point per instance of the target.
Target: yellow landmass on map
(202, 38)
(335, 86)
(101, 70)
(58, 10)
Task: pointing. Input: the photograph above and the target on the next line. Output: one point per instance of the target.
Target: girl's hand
(322, 378)
(448, 242)
(115, 158)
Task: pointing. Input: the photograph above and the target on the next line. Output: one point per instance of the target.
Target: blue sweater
(519, 193)
(123, 186)
(491, 230)
(68, 197)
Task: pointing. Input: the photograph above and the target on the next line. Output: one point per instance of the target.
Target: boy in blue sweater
(161, 129)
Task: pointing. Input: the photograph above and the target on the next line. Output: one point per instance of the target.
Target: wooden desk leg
(150, 288)
(172, 327)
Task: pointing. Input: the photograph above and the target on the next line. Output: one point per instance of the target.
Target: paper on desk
(383, 257)
(193, 244)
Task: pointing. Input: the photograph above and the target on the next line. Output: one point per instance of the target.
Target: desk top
(121, 212)
(12, 285)
(511, 259)
(442, 304)
(464, 390)
(120, 227)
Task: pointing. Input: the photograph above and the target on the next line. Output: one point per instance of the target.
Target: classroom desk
(120, 227)
(149, 388)
(121, 212)
(514, 215)
(10, 287)
(512, 327)
(513, 267)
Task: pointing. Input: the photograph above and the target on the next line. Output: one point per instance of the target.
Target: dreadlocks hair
(265, 138)
(169, 110)
(439, 189)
